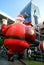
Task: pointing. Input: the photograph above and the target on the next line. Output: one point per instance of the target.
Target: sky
(14, 7)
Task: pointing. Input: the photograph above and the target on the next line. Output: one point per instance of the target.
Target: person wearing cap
(29, 53)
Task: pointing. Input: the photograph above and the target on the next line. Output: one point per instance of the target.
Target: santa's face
(19, 21)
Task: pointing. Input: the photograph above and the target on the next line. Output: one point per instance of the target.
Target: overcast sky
(14, 7)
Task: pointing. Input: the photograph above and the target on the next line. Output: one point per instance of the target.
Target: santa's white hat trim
(20, 18)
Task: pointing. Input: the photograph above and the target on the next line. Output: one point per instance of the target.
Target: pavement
(4, 61)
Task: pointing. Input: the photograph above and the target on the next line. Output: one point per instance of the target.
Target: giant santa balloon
(17, 36)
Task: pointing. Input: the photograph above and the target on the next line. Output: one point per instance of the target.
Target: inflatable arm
(4, 26)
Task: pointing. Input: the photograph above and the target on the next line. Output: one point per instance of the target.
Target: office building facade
(31, 13)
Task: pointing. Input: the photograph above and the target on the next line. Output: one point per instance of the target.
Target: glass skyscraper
(31, 13)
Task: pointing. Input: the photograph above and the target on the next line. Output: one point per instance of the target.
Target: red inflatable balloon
(18, 37)
(41, 46)
(30, 34)
(15, 38)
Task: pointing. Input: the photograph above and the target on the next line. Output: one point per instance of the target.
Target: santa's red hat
(20, 16)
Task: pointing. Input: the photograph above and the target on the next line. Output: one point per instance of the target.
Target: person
(35, 53)
(29, 53)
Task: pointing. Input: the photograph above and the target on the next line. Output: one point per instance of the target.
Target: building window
(35, 17)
